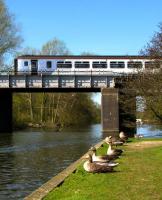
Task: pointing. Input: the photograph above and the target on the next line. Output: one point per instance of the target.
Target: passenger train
(34, 64)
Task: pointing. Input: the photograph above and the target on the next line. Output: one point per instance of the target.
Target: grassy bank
(137, 177)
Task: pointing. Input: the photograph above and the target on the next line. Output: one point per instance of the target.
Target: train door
(34, 67)
(15, 66)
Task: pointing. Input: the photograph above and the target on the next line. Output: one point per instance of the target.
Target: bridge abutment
(5, 111)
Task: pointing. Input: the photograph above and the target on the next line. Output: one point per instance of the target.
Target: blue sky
(105, 27)
(98, 26)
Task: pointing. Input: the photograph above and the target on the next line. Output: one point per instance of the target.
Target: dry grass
(144, 144)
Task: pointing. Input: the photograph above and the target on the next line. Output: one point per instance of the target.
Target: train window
(151, 65)
(68, 62)
(79, 64)
(103, 62)
(136, 64)
(99, 64)
(25, 63)
(62, 64)
(96, 62)
(117, 64)
(49, 64)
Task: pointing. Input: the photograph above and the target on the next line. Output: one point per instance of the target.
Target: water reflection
(30, 158)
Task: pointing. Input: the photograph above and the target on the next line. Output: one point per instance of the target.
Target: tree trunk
(52, 108)
(30, 107)
(55, 115)
(42, 108)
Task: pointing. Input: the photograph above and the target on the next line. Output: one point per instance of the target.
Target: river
(30, 158)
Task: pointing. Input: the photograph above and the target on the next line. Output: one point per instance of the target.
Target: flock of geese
(105, 163)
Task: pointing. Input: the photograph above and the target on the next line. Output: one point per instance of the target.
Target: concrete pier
(110, 111)
(5, 111)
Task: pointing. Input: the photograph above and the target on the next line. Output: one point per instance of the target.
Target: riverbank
(49, 126)
(57, 180)
(137, 177)
(43, 126)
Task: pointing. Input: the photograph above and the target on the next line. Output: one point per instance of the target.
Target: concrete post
(110, 112)
(5, 111)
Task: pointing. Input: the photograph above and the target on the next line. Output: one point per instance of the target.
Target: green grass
(138, 177)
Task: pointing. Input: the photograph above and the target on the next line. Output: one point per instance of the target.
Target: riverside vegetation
(54, 110)
(137, 177)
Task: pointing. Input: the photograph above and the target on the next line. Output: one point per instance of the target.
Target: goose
(123, 136)
(93, 167)
(103, 158)
(138, 136)
(113, 141)
(114, 152)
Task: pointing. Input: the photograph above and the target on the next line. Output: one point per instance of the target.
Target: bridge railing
(65, 72)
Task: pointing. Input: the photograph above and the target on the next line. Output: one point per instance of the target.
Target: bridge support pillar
(110, 111)
(5, 111)
(118, 111)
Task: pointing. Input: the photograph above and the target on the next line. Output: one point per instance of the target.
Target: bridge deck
(61, 79)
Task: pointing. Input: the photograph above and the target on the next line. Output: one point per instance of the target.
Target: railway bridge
(65, 81)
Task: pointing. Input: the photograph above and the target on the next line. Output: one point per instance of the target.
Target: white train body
(53, 64)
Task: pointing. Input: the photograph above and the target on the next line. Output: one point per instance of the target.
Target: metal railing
(66, 72)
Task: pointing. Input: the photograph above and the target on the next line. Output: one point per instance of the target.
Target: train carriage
(46, 64)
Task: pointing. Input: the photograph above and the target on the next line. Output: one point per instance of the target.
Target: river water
(154, 131)
(30, 158)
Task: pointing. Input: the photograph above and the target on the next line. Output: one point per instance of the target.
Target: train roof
(86, 57)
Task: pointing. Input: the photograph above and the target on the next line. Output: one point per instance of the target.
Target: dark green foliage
(127, 107)
(55, 110)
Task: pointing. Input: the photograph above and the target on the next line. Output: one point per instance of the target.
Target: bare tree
(148, 83)
(87, 53)
(154, 47)
(55, 47)
(9, 37)
(29, 51)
